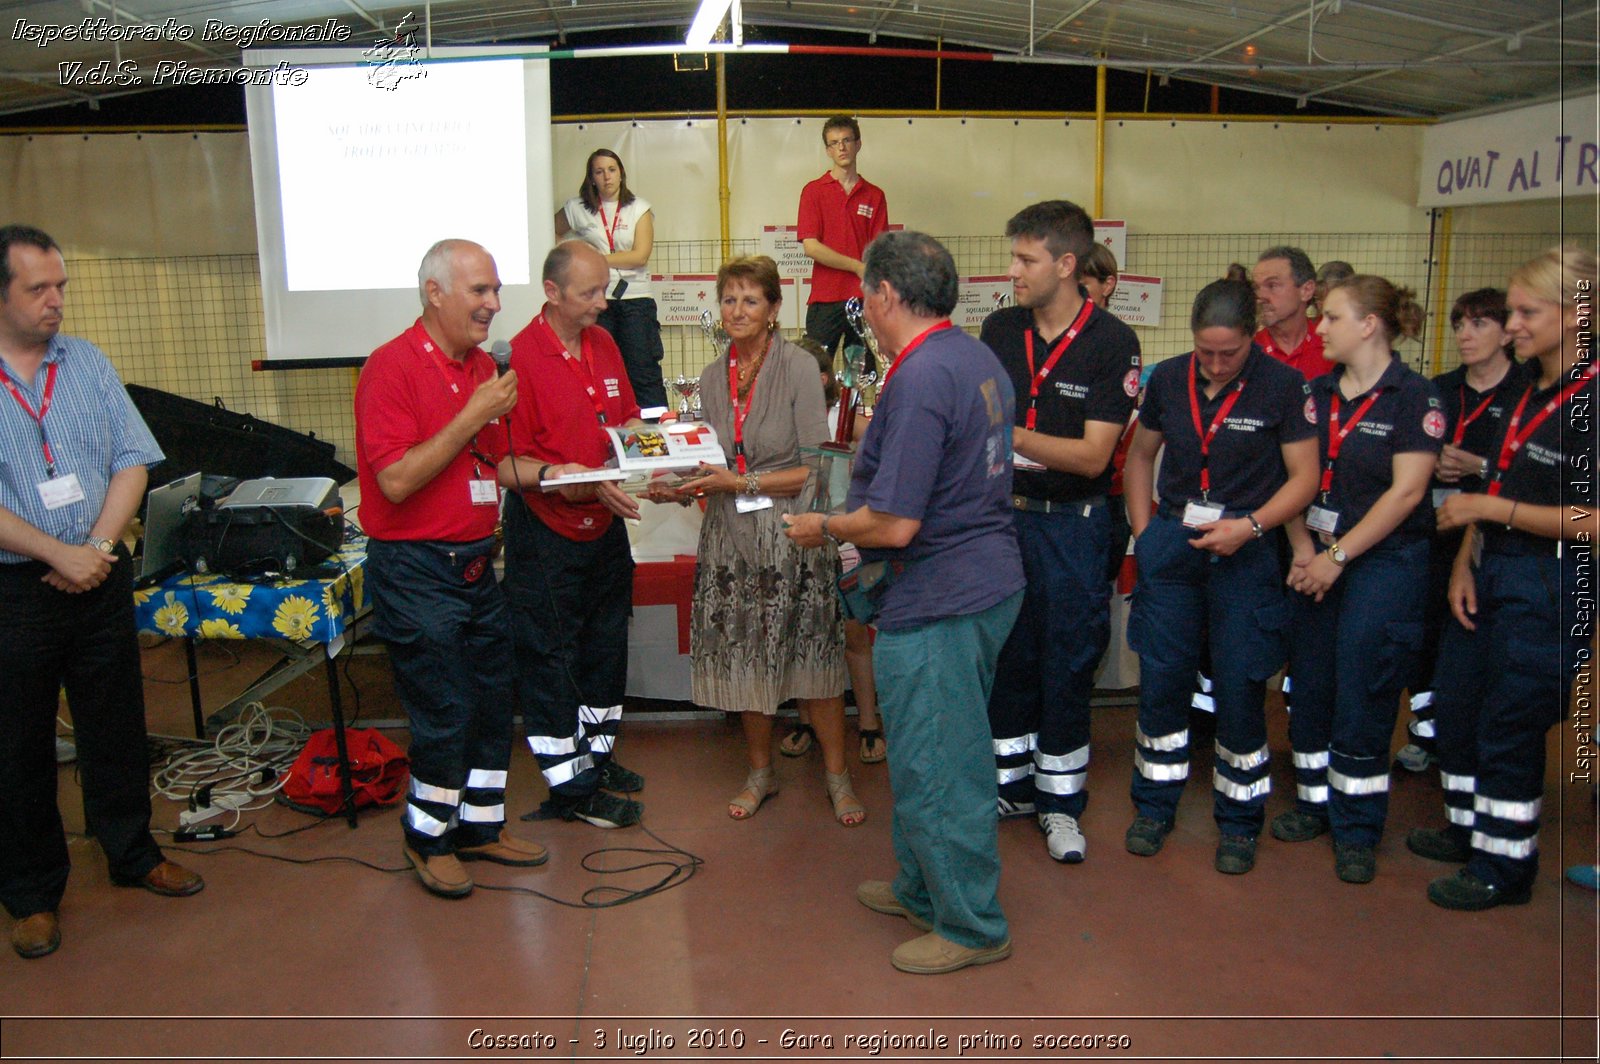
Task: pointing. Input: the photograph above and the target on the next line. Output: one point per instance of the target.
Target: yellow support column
(1099, 141)
(723, 195)
(1441, 299)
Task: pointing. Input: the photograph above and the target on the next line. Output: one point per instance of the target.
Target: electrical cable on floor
(247, 762)
(679, 863)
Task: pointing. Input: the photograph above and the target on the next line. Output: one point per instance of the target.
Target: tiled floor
(278, 960)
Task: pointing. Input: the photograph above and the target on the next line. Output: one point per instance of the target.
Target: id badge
(1196, 514)
(1321, 520)
(749, 504)
(484, 492)
(61, 491)
(1441, 494)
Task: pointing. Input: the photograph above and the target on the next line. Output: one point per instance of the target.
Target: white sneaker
(1062, 837)
(1414, 758)
(1009, 808)
(66, 752)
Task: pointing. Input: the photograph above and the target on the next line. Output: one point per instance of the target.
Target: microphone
(500, 351)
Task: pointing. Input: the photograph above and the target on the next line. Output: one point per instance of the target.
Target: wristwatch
(827, 534)
(105, 545)
(1255, 526)
(1337, 553)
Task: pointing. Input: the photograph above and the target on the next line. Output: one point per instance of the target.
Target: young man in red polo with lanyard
(426, 446)
(840, 213)
(569, 566)
(1286, 284)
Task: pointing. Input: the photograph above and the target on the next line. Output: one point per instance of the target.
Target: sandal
(872, 748)
(798, 742)
(847, 810)
(760, 785)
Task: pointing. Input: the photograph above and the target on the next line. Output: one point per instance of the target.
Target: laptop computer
(164, 511)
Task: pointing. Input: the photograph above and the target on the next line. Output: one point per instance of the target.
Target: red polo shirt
(846, 222)
(1307, 358)
(408, 392)
(555, 419)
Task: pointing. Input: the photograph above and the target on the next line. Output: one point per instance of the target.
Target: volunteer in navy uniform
(1360, 570)
(1075, 369)
(1518, 631)
(1241, 460)
(1474, 403)
(425, 452)
(73, 465)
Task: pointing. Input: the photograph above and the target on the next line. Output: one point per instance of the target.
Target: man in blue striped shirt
(73, 458)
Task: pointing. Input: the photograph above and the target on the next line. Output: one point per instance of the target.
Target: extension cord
(222, 803)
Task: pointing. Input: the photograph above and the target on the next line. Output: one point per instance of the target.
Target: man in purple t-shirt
(929, 505)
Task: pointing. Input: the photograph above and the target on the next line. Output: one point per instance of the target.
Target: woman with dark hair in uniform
(1474, 403)
(1507, 660)
(1361, 570)
(1241, 460)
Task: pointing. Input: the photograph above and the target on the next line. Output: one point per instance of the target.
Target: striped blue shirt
(94, 431)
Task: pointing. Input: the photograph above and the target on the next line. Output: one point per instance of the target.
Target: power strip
(222, 803)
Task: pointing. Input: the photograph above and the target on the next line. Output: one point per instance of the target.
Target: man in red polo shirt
(569, 566)
(426, 447)
(1286, 284)
(840, 213)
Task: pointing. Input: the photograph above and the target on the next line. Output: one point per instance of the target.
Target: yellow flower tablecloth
(212, 606)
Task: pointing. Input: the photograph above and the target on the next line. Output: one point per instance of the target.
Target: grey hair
(918, 267)
(1300, 267)
(436, 265)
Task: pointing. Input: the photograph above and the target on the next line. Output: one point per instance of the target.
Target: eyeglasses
(833, 145)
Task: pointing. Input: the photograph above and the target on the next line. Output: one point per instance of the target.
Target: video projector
(266, 525)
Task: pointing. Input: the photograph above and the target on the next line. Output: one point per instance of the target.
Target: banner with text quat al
(1540, 152)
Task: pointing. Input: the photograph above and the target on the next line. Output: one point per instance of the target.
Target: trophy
(688, 391)
(858, 372)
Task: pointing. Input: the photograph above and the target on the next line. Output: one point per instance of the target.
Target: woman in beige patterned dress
(766, 625)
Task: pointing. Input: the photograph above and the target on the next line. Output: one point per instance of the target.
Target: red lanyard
(1206, 435)
(733, 398)
(1467, 419)
(915, 343)
(1336, 435)
(44, 408)
(584, 370)
(1514, 440)
(1050, 363)
(612, 228)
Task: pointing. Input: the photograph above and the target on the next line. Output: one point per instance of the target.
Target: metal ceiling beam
(1454, 53)
(1277, 24)
(375, 23)
(119, 16)
(1081, 9)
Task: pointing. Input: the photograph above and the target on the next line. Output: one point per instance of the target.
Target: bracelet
(542, 471)
(1255, 526)
(1512, 516)
(752, 483)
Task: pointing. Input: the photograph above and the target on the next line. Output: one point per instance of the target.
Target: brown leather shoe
(169, 879)
(506, 850)
(443, 874)
(38, 935)
(933, 954)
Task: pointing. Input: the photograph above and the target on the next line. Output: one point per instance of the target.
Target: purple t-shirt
(938, 451)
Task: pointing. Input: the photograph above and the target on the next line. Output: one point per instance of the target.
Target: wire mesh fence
(194, 325)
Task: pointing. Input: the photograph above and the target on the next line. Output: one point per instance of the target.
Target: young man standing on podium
(426, 446)
(569, 566)
(73, 458)
(840, 213)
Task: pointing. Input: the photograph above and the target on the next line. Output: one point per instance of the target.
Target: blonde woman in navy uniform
(1507, 660)
(1360, 570)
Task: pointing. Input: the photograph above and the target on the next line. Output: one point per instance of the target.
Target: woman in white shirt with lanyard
(621, 226)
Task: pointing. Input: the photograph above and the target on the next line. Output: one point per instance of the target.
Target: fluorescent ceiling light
(706, 22)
